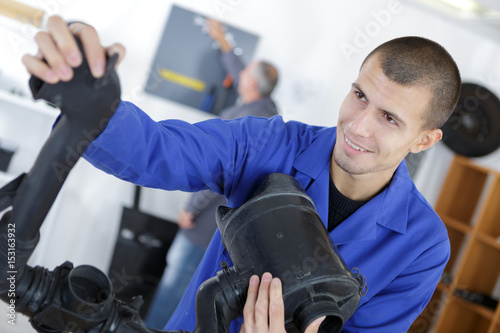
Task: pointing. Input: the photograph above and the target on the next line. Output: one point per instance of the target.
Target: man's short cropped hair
(419, 61)
(266, 76)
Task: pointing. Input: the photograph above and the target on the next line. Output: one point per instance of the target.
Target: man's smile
(354, 146)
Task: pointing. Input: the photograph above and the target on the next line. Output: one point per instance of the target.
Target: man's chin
(349, 166)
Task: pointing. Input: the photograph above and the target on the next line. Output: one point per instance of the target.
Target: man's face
(246, 81)
(379, 122)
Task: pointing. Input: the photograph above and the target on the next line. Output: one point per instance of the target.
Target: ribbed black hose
(53, 299)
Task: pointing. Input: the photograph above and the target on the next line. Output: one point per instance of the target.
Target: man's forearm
(224, 46)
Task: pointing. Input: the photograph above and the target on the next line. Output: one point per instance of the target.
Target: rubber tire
(473, 130)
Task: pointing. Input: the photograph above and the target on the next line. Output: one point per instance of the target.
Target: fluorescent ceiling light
(465, 5)
(462, 9)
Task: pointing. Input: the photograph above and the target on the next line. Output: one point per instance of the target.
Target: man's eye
(389, 118)
(359, 95)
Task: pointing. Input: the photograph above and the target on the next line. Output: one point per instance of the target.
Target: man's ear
(427, 139)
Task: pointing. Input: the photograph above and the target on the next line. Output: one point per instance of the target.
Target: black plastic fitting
(279, 231)
(86, 105)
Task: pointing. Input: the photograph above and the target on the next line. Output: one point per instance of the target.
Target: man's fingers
(314, 326)
(52, 55)
(212, 24)
(39, 69)
(94, 52)
(262, 304)
(58, 51)
(215, 29)
(64, 40)
(276, 307)
(249, 309)
(116, 48)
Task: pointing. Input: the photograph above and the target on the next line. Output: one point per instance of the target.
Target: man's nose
(363, 123)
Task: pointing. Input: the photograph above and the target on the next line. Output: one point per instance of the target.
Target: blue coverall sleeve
(137, 149)
(175, 155)
(395, 308)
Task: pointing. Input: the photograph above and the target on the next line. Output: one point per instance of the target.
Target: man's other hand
(217, 32)
(185, 220)
(264, 310)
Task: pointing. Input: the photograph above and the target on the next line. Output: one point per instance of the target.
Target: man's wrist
(225, 47)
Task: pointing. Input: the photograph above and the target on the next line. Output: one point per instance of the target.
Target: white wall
(318, 46)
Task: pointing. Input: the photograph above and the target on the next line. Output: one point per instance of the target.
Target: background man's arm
(231, 62)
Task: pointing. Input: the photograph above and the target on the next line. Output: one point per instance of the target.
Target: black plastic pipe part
(221, 299)
(31, 196)
(279, 231)
(66, 299)
(86, 105)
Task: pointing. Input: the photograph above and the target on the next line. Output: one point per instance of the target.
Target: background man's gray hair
(266, 76)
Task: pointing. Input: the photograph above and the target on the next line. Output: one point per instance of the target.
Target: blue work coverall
(396, 239)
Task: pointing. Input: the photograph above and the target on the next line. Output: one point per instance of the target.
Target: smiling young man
(380, 122)
(355, 173)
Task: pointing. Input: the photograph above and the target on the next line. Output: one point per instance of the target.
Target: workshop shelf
(469, 205)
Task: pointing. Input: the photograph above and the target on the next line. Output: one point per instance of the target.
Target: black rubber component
(86, 106)
(66, 299)
(279, 231)
(473, 130)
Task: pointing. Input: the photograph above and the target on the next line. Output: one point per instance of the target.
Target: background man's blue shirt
(396, 239)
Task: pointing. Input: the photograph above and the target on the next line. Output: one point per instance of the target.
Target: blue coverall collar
(313, 173)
